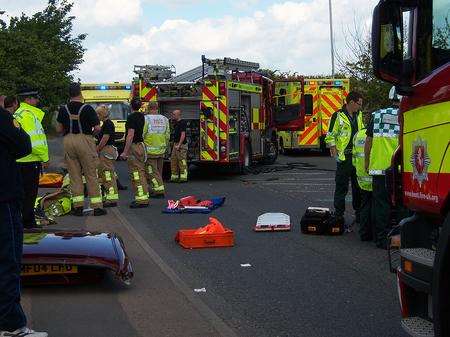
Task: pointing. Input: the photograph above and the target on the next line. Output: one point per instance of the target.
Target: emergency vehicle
(228, 108)
(411, 49)
(323, 96)
(116, 96)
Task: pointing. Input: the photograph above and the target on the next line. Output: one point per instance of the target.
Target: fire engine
(322, 96)
(228, 107)
(411, 49)
(116, 96)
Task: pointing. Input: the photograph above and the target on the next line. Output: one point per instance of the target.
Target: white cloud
(287, 36)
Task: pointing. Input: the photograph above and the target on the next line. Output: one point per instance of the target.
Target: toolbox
(320, 221)
(187, 238)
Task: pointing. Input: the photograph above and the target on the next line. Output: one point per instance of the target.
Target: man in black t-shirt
(108, 154)
(78, 123)
(178, 161)
(136, 155)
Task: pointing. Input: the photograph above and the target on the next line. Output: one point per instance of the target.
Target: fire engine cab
(411, 49)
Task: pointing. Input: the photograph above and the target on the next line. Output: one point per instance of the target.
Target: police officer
(135, 154)
(14, 144)
(108, 154)
(343, 126)
(178, 159)
(156, 139)
(364, 182)
(382, 140)
(30, 118)
(78, 123)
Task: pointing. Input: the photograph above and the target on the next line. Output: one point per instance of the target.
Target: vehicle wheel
(323, 146)
(281, 149)
(441, 282)
(271, 152)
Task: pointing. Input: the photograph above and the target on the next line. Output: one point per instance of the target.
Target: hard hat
(393, 96)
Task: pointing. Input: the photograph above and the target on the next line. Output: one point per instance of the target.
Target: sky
(280, 35)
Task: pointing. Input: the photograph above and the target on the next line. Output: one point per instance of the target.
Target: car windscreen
(117, 110)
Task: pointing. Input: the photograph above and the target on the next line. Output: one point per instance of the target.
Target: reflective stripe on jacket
(156, 134)
(358, 159)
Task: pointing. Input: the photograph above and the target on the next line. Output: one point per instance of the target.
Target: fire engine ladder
(227, 64)
(154, 73)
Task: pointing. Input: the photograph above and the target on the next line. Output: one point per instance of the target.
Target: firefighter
(135, 153)
(344, 124)
(364, 182)
(156, 139)
(382, 140)
(30, 118)
(78, 123)
(178, 159)
(108, 154)
(14, 143)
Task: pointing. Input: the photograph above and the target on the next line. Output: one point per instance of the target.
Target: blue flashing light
(337, 82)
(128, 87)
(103, 87)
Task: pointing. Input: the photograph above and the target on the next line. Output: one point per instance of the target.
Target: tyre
(271, 154)
(281, 149)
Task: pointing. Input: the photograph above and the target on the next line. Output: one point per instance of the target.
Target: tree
(357, 65)
(40, 51)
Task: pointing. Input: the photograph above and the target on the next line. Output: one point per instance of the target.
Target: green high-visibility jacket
(30, 119)
(156, 134)
(340, 132)
(386, 130)
(358, 159)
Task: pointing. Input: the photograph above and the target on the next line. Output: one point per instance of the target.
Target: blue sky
(289, 35)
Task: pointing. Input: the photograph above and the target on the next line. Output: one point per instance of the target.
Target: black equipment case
(320, 221)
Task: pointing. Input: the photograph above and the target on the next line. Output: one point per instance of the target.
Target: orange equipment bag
(50, 180)
(214, 234)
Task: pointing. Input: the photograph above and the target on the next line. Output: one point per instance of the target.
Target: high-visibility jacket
(156, 134)
(30, 119)
(386, 130)
(358, 159)
(340, 133)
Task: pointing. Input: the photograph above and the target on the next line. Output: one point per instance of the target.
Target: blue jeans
(12, 316)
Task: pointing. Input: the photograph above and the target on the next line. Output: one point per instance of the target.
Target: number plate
(47, 269)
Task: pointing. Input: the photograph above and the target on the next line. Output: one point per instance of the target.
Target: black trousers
(366, 227)
(12, 316)
(382, 209)
(30, 177)
(345, 173)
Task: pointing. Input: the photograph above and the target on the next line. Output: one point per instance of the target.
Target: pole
(331, 38)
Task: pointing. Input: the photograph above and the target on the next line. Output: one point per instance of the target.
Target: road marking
(297, 183)
(221, 327)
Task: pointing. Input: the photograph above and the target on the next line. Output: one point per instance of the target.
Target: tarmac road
(297, 285)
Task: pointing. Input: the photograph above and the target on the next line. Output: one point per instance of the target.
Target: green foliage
(40, 51)
(357, 65)
(441, 35)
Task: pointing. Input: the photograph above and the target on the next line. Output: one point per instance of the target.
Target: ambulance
(116, 96)
(322, 97)
(411, 50)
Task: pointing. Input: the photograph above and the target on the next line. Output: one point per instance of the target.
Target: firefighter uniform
(108, 155)
(178, 159)
(384, 130)
(14, 143)
(30, 119)
(156, 139)
(341, 131)
(80, 154)
(137, 158)
(365, 184)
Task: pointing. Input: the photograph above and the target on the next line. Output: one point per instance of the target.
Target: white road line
(222, 328)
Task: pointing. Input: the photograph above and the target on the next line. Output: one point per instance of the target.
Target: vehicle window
(308, 104)
(117, 110)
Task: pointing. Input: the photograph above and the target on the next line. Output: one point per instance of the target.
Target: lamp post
(331, 37)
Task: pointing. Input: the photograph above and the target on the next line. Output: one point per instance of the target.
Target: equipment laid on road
(116, 97)
(322, 97)
(420, 174)
(51, 180)
(73, 257)
(270, 222)
(320, 221)
(214, 234)
(192, 204)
